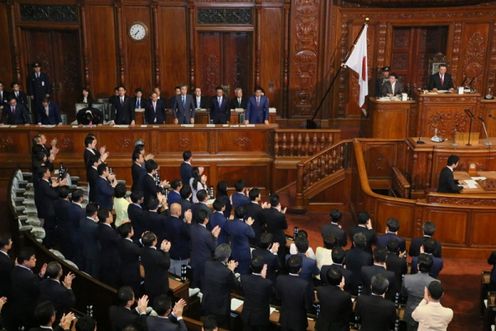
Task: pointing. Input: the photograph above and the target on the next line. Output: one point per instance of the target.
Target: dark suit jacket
(296, 300)
(155, 115)
(137, 172)
(129, 254)
(447, 183)
(75, 214)
(336, 308)
(4, 98)
(6, 266)
(177, 232)
(220, 114)
(137, 104)
(257, 293)
(19, 116)
(437, 266)
(239, 199)
(92, 175)
(203, 245)
(46, 196)
(184, 111)
(39, 87)
(218, 219)
(417, 242)
(90, 246)
(276, 224)
(186, 172)
(120, 317)
(376, 313)
(25, 292)
(155, 222)
(257, 113)
(270, 260)
(397, 265)
(308, 267)
(236, 104)
(109, 255)
(382, 240)
(104, 193)
(173, 197)
(254, 210)
(196, 207)
(356, 258)
(149, 189)
(369, 234)
(135, 213)
(53, 116)
(435, 82)
(240, 234)
(62, 298)
(387, 88)
(203, 102)
(219, 281)
(156, 264)
(369, 271)
(123, 112)
(345, 272)
(155, 323)
(336, 231)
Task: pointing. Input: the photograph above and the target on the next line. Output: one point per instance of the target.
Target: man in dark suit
(308, 266)
(254, 210)
(172, 100)
(104, 187)
(396, 261)
(202, 197)
(267, 251)
(375, 312)
(220, 113)
(89, 238)
(447, 182)
(184, 108)
(123, 314)
(428, 229)
(257, 291)
(123, 108)
(135, 214)
(338, 259)
(149, 183)
(138, 171)
(203, 244)
(295, 295)
(239, 101)
(155, 110)
(217, 218)
(199, 101)
(276, 223)
(186, 195)
(356, 258)
(48, 113)
(257, 109)
(441, 80)
(129, 253)
(6, 264)
(239, 197)
(109, 254)
(45, 315)
(379, 267)
(167, 319)
(177, 233)
(18, 94)
(427, 248)
(392, 86)
(153, 220)
(392, 228)
(156, 263)
(186, 169)
(137, 101)
(219, 281)
(57, 291)
(334, 228)
(364, 226)
(39, 86)
(174, 195)
(15, 113)
(383, 78)
(24, 291)
(240, 232)
(70, 227)
(4, 98)
(335, 303)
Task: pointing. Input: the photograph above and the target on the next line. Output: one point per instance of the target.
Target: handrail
(319, 166)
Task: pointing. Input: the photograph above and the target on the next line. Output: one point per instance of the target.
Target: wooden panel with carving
(473, 55)
(102, 53)
(380, 157)
(179, 141)
(137, 54)
(6, 55)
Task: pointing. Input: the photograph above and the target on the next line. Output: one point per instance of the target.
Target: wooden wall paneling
(450, 225)
(172, 47)
(102, 54)
(272, 51)
(7, 54)
(209, 60)
(403, 213)
(479, 230)
(137, 54)
(475, 41)
(491, 60)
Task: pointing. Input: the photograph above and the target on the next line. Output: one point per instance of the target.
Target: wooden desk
(389, 119)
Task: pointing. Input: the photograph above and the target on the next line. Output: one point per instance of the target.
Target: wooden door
(58, 52)
(224, 58)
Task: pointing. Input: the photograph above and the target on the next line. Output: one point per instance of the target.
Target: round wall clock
(138, 31)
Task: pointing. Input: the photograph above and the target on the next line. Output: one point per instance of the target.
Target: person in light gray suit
(184, 107)
(413, 288)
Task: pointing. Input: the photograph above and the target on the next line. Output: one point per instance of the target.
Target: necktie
(122, 100)
(442, 79)
(154, 105)
(138, 103)
(17, 94)
(239, 102)
(12, 109)
(37, 75)
(46, 111)
(184, 100)
(258, 101)
(219, 100)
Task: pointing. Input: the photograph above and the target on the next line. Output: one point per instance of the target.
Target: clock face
(137, 31)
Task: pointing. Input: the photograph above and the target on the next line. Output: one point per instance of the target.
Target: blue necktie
(184, 100)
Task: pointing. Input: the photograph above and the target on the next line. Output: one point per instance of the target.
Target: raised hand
(250, 221)
(66, 320)
(68, 280)
(179, 307)
(142, 304)
(216, 231)
(188, 216)
(232, 265)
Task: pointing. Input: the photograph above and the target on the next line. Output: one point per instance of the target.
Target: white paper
(470, 183)
(479, 178)
(235, 304)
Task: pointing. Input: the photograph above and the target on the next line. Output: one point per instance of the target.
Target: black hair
(148, 238)
(380, 254)
(254, 193)
(335, 215)
(379, 284)
(85, 323)
(201, 195)
(429, 245)
(103, 213)
(221, 188)
(425, 262)
(266, 239)
(150, 165)
(125, 229)
(63, 192)
(257, 264)
(218, 205)
(239, 185)
(152, 204)
(452, 160)
(301, 244)
(185, 192)
(294, 263)
(91, 208)
(5, 239)
(186, 154)
(90, 137)
(363, 217)
(338, 255)
(393, 245)
(77, 195)
(136, 196)
(124, 294)
(44, 312)
(120, 190)
(175, 184)
(274, 200)
(209, 323)
(429, 228)
(201, 215)
(360, 240)
(25, 254)
(101, 168)
(162, 304)
(330, 241)
(334, 276)
(393, 225)
(239, 212)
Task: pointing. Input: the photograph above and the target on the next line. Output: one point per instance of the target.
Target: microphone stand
(487, 143)
(470, 117)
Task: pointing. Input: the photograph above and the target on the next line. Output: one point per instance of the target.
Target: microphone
(481, 119)
(469, 113)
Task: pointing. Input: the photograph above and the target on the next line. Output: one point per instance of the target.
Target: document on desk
(235, 304)
(470, 183)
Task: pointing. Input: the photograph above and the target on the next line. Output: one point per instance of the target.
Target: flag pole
(311, 123)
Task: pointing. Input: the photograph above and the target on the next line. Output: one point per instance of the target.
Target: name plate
(188, 125)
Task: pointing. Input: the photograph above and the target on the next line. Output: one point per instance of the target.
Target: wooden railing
(319, 167)
(303, 143)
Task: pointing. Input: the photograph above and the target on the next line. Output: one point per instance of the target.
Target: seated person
(392, 86)
(429, 229)
(15, 113)
(447, 182)
(441, 80)
(89, 116)
(48, 113)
